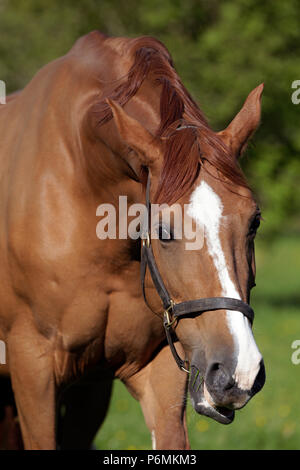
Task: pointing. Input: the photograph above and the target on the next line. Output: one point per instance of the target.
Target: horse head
(196, 172)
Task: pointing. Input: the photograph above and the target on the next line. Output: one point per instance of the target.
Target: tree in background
(222, 50)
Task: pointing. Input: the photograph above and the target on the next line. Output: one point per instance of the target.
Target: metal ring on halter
(186, 127)
(184, 369)
(146, 240)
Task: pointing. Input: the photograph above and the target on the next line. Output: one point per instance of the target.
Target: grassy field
(272, 419)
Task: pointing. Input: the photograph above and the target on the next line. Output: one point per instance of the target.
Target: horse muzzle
(216, 394)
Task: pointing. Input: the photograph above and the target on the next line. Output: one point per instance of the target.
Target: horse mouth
(226, 414)
(204, 405)
(218, 413)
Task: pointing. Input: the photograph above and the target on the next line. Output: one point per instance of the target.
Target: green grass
(271, 420)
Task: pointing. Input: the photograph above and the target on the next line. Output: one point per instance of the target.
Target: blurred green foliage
(222, 50)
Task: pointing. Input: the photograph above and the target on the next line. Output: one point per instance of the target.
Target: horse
(113, 118)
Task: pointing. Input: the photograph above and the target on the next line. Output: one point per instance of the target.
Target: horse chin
(220, 414)
(203, 405)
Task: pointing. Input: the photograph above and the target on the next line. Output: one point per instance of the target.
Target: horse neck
(63, 138)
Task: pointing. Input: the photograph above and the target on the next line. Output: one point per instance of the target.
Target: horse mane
(189, 138)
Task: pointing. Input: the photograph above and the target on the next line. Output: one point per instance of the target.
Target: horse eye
(254, 226)
(165, 234)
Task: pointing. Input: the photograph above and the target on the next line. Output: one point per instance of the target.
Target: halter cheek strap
(189, 309)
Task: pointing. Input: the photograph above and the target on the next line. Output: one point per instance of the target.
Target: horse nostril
(259, 380)
(218, 378)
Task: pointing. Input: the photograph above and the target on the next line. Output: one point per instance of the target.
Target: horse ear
(146, 146)
(245, 123)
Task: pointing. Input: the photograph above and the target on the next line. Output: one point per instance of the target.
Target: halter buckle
(167, 321)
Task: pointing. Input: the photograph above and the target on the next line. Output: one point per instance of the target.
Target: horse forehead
(208, 203)
(205, 205)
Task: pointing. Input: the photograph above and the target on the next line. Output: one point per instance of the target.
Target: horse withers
(87, 129)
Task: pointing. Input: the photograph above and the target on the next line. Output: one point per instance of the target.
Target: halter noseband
(191, 308)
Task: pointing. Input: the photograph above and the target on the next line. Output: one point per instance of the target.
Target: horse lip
(204, 405)
(220, 414)
(227, 413)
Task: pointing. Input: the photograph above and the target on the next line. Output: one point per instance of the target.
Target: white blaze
(206, 208)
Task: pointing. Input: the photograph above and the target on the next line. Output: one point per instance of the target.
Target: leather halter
(189, 309)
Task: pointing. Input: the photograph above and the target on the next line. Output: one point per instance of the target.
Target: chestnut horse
(88, 128)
